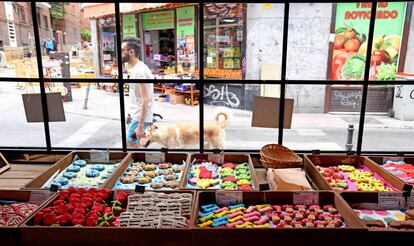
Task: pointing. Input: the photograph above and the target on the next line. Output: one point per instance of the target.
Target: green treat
(228, 184)
(244, 176)
(226, 174)
(242, 166)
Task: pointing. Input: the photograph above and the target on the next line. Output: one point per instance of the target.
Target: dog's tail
(223, 111)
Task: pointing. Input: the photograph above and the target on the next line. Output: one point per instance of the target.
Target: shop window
(92, 54)
(166, 36)
(91, 115)
(17, 130)
(249, 126)
(173, 106)
(243, 41)
(17, 48)
(389, 118)
(322, 116)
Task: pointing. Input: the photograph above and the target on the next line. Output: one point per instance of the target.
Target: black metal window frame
(201, 81)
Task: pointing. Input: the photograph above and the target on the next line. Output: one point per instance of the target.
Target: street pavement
(99, 125)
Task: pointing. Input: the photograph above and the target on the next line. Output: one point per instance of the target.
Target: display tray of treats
(391, 218)
(350, 173)
(273, 209)
(80, 170)
(158, 210)
(401, 169)
(232, 172)
(164, 172)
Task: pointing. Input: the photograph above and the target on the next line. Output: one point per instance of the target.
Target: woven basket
(278, 156)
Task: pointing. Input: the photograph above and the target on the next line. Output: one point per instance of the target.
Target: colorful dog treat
(229, 176)
(13, 213)
(158, 210)
(276, 216)
(163, 176)
(83, 174)
(401, 170)
(386, 219)
(82, 207)
(360, 178)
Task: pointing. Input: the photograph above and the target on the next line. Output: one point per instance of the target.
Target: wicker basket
(278, 156)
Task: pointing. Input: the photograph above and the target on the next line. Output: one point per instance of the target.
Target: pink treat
(253, 218)
(220, 210)
(235, 214)
(231, 225)
(255, 213)
(261, 221)
(250, 209)
(265, 210)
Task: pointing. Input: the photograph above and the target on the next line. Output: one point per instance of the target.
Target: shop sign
(350, 40)
(129, 25)
(158, 20)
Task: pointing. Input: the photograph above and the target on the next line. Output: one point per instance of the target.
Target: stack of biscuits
(406, 225)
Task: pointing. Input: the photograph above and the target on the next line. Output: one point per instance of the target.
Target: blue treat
(80, 163)
(236, 206)
(73, 168)
(201, 214)
(208, 206)
(210, 209)
(105, 176)
(219, 223)
(62, 180)
(98, 167)
(92, 173)
(69, 175)
(220, 219)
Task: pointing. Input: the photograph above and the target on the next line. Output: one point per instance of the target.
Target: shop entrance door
(159, 50)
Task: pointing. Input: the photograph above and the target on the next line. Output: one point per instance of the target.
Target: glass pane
(252, 120)
(17, 130)
(17, 43)
(78, 40)
(390, 118)
(91, 115)
(160, 40)
(172, 107)
(243, 40)
(322, 115)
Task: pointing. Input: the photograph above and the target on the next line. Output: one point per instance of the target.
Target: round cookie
(164, 165)
(172, 184)
(73, 168)
(62, 180)
(170, 177)
(98, 167)
(80, 163)
(149, 167)
(91, 173)
(165, 172)
(177, 169)
(143, 180)
(70, 175)
(157, 185)
(150, 174)
(127, 179)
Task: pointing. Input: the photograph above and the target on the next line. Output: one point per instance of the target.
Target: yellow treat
(245, 225)
(240, 217)
(263, 206)
(203, 183)
(197, 173)
(346, 168)
(205, 218)
(226, 169)
(214, 181)
(267, 225)
(243, 182)
(237, 209)
(221, 214)
(205, 224)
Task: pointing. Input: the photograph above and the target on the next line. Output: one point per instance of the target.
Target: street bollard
(349, 145)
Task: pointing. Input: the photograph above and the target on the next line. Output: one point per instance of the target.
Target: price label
(306, 198)
(155, 157)
(216, 158)
(263, 187)
(391, 200)
(139, 189)
(100, 156)
(38, 197)
(54, 188)
(226, 198)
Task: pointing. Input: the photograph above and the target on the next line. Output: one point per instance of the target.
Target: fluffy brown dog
(187, 135)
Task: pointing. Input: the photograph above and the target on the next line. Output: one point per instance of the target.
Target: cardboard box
(234, 158)
(266, 112)
(141, 156)
(380, 160)
(11, 235)
(60, 166)
(310, 162)
(369, 200)
(283, 236)
(176, 99)
(36, 235)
